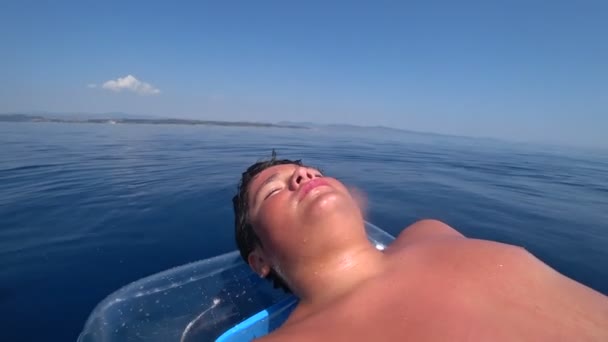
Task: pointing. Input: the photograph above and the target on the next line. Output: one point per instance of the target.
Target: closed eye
(273, 191)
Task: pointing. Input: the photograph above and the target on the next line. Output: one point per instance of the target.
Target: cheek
(336, 184)
(274, 222)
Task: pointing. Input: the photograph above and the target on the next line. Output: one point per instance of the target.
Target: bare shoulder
(476, 287)
(422, 230)
(476, 290)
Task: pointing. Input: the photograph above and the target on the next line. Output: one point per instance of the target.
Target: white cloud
(91, 85)
(130, 83)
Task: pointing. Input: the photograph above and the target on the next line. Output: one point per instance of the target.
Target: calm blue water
(86, 209)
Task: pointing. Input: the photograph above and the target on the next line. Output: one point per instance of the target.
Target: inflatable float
(217, 299)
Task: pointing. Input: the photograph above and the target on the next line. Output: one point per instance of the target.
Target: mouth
(306, 188)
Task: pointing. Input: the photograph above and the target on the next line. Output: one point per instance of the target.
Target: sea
(88, 208)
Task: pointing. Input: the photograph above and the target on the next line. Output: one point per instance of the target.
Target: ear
(259, 262)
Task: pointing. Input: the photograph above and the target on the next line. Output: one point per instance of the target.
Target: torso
(457, 289)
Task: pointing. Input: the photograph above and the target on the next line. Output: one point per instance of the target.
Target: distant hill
(87, 116)
(20, 118)
(125, 118)
(117, 118)
(351, 127)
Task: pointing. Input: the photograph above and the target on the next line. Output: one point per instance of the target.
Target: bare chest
(437, 301)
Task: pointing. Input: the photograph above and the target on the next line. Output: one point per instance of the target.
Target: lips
(308, 186)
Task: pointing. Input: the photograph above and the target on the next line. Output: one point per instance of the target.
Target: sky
(517, 70)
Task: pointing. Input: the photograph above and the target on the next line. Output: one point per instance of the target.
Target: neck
(323, 280)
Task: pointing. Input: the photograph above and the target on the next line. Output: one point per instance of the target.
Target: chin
(329, 206)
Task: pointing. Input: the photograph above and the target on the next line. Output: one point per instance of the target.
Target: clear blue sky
(522, 70)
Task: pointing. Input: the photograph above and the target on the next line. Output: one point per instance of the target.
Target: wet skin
(431, 284)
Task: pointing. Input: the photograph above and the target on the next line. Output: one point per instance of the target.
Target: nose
(302, 175)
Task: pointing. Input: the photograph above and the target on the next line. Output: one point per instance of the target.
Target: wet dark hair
(246, 238)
